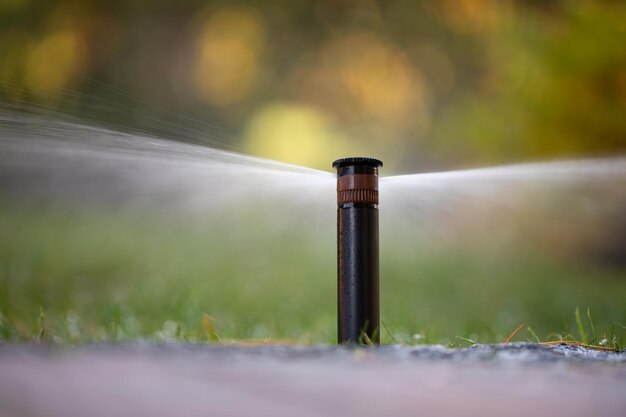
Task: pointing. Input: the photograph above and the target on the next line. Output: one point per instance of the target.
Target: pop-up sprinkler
(357, 250)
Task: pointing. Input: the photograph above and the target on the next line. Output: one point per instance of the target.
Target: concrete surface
(141, 379)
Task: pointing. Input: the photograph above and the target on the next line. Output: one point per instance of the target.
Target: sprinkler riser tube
(357, 251)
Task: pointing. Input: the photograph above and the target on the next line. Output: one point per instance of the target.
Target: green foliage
(551, 89)
(114, 277)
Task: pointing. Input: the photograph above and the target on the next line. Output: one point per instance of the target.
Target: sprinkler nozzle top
(358, 161)
(357, 180)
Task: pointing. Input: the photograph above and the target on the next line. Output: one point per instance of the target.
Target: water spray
(357, 250)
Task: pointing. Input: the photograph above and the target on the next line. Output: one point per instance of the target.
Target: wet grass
(84, 276)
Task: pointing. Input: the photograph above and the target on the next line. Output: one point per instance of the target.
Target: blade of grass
(533, 334)
(367, 340)
(209, 328)
(581, 344)
(593, 329)
(40, 332)
(508, 339)
(470, 341)
(393, 339)
(581, 327)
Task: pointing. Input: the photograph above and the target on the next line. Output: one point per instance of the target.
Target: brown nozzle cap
(357, 180)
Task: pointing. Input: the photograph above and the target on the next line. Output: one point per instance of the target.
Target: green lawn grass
(95, 275)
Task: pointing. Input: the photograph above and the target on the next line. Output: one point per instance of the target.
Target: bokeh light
(296, 134)
(229, 49)
(374, 76)
(54, 62)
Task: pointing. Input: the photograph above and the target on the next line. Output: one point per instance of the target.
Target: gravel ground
(515, 379)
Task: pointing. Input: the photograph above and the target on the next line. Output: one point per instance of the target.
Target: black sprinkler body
(357, 250)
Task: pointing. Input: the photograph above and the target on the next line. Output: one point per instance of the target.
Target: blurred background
(422, 85)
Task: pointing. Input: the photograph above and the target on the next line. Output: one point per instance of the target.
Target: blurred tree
(420, 84)
(555, 87)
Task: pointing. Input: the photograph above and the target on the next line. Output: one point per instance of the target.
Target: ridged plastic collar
(363, 161)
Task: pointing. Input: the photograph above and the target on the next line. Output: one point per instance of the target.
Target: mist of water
(83, 165)
(508, 199)
(68, 163)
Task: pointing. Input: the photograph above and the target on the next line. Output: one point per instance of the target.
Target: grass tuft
(110, 277)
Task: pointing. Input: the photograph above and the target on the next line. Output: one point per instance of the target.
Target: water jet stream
(80, 166)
